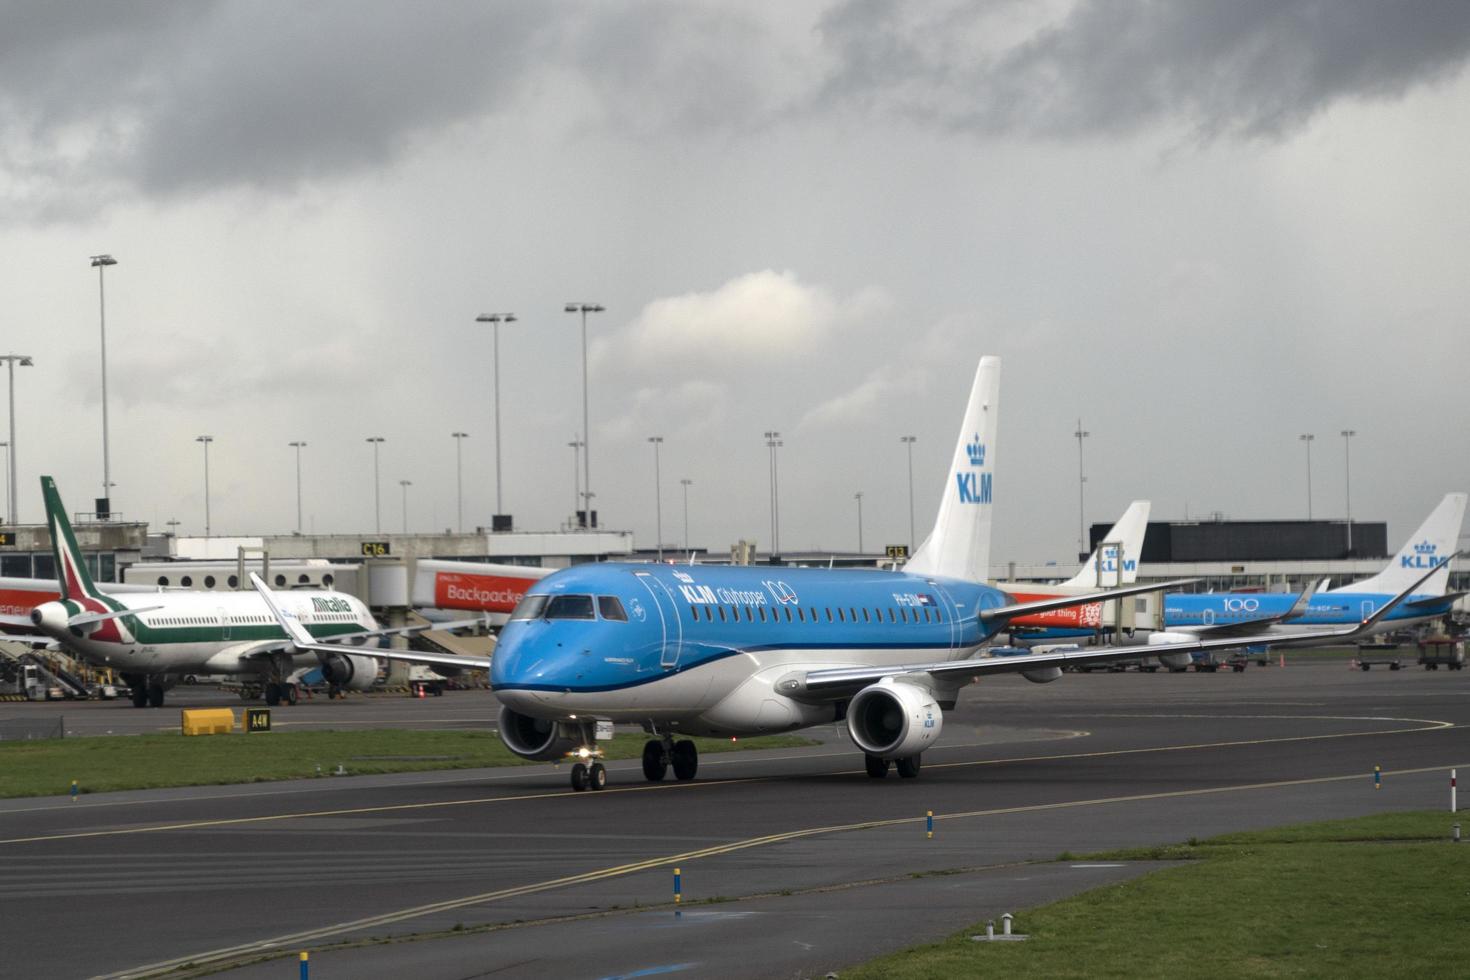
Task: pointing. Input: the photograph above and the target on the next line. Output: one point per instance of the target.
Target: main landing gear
(660, 753)
(144, 692)
(908, 767)
(276, 693)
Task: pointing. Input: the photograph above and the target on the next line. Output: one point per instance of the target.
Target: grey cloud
(1248, 68)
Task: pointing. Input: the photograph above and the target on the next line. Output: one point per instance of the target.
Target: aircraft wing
(1437, 600)
(1066, 602)
(836, 683)
(300, 639)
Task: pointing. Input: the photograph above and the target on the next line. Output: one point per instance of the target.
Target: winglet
(1304, 600)
(289, 622)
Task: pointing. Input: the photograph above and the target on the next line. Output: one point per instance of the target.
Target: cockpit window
(611, 608)
(530, 607)
(570, 607)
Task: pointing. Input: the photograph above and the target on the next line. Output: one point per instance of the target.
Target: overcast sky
(1202, 228)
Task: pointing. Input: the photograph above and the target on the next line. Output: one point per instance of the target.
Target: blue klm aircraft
(1264, 618)
(751, 650)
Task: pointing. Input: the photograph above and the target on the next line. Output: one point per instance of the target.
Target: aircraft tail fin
(71, 569)
(1426, 548)
(959, 544)
(1115, 560)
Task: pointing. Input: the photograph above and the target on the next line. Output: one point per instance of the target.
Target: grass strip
(111, 762)
(1380, 896)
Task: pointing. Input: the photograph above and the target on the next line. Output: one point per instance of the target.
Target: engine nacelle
(892, 720)
(536, 738)
(1173, 661)
(350, 671)
(1042, 675)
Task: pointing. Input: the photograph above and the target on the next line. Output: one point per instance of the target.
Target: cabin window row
(830, 614)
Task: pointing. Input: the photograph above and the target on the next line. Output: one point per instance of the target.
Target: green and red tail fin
(71, 570)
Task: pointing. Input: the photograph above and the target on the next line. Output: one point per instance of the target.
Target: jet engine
(350, 671)
(893, 721)
(1173, 661)
(536, 738)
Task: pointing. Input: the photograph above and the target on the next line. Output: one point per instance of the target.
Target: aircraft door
(668, 615)
(1368, 608)
(223, 620)
(1207, 617)
(951, 614)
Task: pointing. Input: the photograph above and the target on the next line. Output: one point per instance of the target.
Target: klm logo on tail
(974, 487)
(976, 451)
(1424, 556)
(973, 491)
(1108, 561)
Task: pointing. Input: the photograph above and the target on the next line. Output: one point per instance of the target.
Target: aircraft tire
(597, 777)
(908, 768)
(290, 693)
(686, 759)
(139, 693)
(155, 695)
(655, 766)
(877, 768)
(272, 694)
(579, 777)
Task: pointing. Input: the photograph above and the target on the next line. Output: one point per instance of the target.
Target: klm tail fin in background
(1427, 547)
(1115, 562)
(71, 570)
(959, 545)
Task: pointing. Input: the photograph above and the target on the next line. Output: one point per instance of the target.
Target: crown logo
(976, 451)
(1425, 548)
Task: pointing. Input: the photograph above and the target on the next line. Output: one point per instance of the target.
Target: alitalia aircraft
(153, 639)
(750, 650)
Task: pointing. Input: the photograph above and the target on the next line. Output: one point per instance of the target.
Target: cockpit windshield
(530, 607)
(570, 607)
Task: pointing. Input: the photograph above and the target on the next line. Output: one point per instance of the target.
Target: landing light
(584, 752)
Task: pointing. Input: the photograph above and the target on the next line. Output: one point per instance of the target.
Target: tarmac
(791, 863)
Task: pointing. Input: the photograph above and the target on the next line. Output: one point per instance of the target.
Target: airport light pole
(298, 446)
(377, 498)
(1347, 482)
(859, 498)
(101, 262)
(658, 498)
(1306, 438)
(10, 518)
(908, 442)
(459, 438)
(773, 442)
(206, 440)
(405, 484)
(1082, 548)
(576, 445)
(496, 319)
(13, 498)
(685, 483)
(584, 309)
